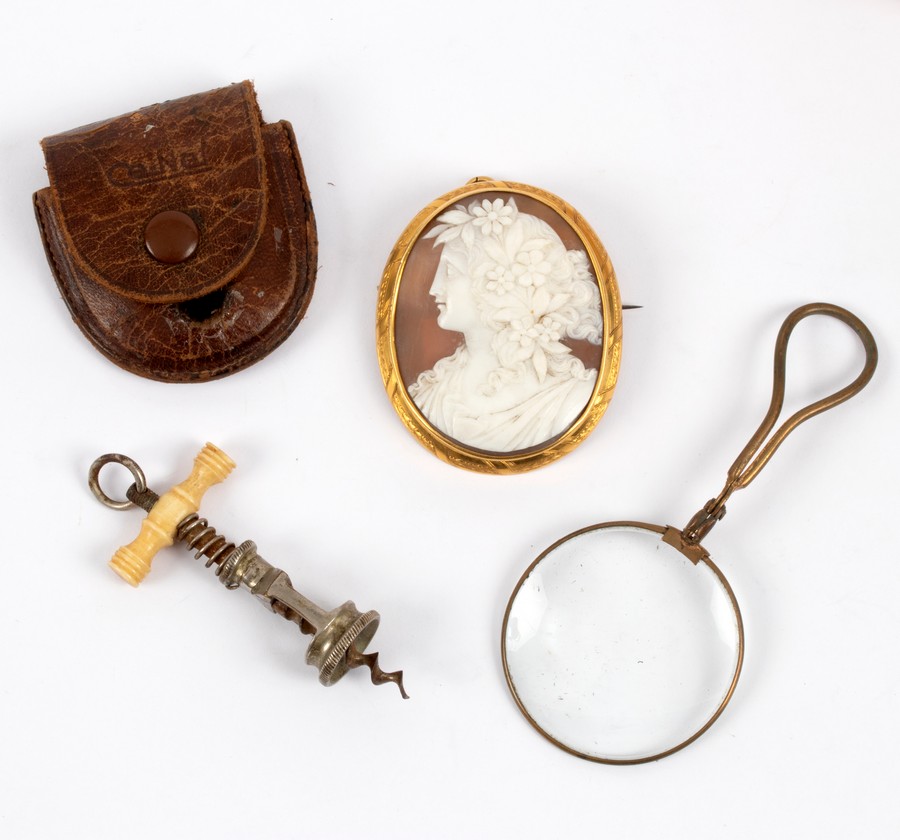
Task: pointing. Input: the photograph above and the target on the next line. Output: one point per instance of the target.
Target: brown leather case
(249, 280)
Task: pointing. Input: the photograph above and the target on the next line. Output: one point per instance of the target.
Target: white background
(737, 160)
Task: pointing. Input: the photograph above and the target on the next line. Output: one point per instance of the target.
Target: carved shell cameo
(499, 327)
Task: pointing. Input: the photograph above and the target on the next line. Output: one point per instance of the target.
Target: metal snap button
(171, 236)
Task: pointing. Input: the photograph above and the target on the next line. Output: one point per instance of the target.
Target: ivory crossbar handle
(132, 561)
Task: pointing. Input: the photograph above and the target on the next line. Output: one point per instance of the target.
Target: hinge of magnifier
(687, 541)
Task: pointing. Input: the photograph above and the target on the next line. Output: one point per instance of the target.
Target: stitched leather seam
(298, 172)
(311, 236)
(54, 264)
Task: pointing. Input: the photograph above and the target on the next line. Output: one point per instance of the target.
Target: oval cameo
(499, 327)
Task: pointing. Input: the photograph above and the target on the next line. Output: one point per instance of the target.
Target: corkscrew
(340, 636)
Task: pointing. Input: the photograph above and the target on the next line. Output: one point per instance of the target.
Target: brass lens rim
(657, 529)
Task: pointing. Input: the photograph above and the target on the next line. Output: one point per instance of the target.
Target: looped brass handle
(741, 474)
(755, 454)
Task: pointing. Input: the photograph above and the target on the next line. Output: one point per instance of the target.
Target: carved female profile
(499, 327)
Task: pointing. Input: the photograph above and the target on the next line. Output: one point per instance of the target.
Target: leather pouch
(220, 198)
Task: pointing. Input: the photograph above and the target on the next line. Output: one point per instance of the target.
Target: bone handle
(132, 561)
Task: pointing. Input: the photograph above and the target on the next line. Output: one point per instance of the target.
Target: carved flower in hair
(531, 266)
(499, 279)
(534, 333)
(536, 340)
(487, 217)
(492, 216)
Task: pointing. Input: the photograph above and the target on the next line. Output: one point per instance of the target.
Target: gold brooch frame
(453, 451)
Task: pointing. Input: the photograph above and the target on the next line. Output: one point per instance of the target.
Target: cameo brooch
(499, 327)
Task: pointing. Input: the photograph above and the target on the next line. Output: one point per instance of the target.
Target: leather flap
(201, 155)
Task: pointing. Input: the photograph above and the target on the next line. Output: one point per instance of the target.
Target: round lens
(620, 649)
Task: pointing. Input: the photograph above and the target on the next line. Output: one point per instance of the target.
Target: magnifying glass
(623, 642)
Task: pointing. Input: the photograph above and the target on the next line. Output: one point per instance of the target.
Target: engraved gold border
(433, 440)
